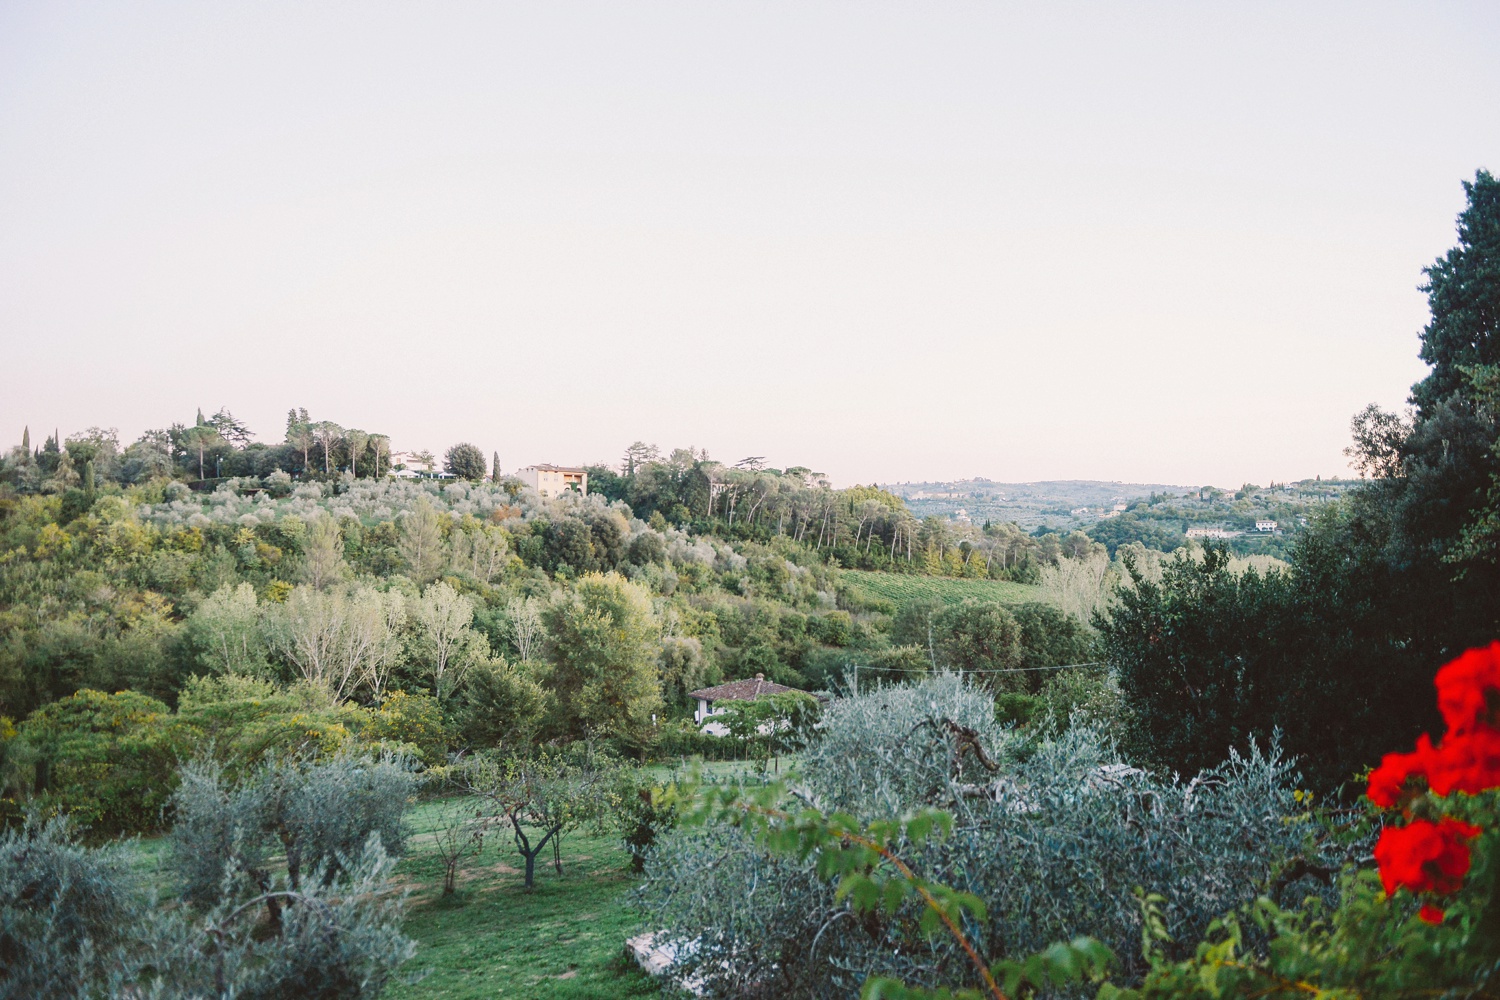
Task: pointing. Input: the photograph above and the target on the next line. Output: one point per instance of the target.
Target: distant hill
(1061, 504)
(1028, 504)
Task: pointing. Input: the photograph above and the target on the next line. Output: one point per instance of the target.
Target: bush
(1209, 659)
(67, 914)
(247, 721)
(410, 722)
(835, 628)
(683, 738)
(109, 760)
(1054, 843)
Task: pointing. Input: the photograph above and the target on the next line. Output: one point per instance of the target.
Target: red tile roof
(746, 690)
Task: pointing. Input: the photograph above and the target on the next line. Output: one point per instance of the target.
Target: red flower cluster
(1468, 759)
(1424, 856)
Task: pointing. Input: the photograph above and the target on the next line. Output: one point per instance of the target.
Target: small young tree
(775, 723)
(543, 799)
(458, 835)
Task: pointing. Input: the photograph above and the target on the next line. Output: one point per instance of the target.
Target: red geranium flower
(1425, 856)
(1388, 782)
(1469, 762)
(1469, 690)
(1430, 914)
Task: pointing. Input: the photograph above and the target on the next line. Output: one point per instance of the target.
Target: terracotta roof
(746, 690)
(544, 467)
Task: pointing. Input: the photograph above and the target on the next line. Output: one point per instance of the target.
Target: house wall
(552, 482)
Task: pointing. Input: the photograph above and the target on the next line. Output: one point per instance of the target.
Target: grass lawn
(900, 588)
(564, 940)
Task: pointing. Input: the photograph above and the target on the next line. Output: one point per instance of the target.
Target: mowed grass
(564, 940)
(900, 588)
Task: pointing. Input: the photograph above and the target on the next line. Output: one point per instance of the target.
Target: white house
(711, 700)
(1265, 525)
(1211, 533)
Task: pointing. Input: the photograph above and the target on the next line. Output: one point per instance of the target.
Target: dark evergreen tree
(1383, 589)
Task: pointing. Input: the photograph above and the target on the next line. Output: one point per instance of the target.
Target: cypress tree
(495, 467)
(26, 439)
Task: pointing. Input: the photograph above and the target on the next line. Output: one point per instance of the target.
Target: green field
(562, 941)
(899, 588)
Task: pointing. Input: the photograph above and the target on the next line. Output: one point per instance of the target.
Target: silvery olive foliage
(335, 937)
(76, 922)
(317, 815)
(66, 913)
(1054, 840)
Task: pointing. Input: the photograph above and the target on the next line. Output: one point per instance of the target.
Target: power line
(1005, 670)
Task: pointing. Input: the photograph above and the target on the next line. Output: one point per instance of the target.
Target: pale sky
(1147, 242)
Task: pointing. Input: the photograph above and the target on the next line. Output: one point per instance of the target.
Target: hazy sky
(1150, 242)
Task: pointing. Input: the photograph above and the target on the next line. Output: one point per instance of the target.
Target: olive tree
(68, 914)
(337, 937)
(1053, 836)
(316, 814)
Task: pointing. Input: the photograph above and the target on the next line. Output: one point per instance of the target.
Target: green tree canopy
(604, 646)
(465, 461)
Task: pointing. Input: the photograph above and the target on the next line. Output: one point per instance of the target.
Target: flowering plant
(1423, 856)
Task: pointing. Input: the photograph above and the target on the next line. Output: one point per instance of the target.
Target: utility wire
(1005, 670)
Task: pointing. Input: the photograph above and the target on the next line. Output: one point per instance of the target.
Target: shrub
(109, 760)
(1053, 843)
(67, 914)
(247, 721)
(835, 628)
(411, 722)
